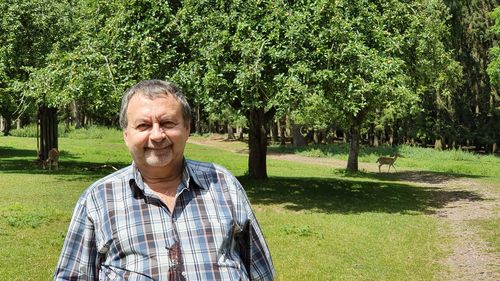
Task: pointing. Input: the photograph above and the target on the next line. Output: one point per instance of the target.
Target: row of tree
(417, 67)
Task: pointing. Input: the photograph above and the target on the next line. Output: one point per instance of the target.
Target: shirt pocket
(226, 254)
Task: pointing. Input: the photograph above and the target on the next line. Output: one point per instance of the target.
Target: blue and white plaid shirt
(121, 230)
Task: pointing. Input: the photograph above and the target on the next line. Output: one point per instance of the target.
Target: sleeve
(252, 246)
(79, 254)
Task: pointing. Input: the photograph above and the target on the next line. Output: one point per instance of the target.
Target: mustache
(161, 145)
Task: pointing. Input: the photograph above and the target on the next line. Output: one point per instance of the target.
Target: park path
(471, 258)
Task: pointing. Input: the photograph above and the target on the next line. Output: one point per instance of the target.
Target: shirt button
(184, 273)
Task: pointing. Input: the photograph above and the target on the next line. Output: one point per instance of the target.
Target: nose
(157, 133)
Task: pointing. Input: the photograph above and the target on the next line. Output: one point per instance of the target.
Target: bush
(29, 131)
(90, 132)
(93, 132)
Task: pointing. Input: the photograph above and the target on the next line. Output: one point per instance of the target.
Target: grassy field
(320, 223)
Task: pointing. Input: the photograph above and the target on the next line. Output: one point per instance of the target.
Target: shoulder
(206, 167)
(113, 181)
(205, 174)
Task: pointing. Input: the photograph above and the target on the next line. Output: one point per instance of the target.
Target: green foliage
(28, 28)
(494, 65)
(89, 132)
(107, 46)
(27, 131)
(93, 132)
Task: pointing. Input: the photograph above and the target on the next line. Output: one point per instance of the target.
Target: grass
(418, 158)
(320, 223)
(489, 231)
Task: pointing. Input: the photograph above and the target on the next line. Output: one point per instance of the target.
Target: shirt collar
(191, 177)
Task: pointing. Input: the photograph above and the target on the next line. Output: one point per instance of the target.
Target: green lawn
(320, 223)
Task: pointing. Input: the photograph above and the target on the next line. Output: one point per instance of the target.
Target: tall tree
(494, 65)
(109, 46)
(28, 29)
(361, 55)
(475, 101)
(237, 51)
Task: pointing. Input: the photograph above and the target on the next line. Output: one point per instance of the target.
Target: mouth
(156, 148)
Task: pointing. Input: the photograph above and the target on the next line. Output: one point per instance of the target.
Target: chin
(155, 162)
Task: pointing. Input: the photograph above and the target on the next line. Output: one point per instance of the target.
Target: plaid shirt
(121, 230)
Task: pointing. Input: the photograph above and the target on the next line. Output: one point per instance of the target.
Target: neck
(163, 179)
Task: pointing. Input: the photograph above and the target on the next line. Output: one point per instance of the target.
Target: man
(163, 217)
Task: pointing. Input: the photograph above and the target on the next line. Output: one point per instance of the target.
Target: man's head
(155, 118)
(152, 89)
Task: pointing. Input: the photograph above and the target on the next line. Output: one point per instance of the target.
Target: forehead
(141, 104)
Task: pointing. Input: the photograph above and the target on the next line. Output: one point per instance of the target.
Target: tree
(109, 45)
(352, 59)
(28, 29)
(494, 65)
(364, 57)
(475, 102)
(236, 51)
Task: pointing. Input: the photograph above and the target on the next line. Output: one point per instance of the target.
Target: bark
(77, 114)
(257, 142)
(438, 144)
(376, 142)
(230, 132)
(282, 125)
(274, 131)
(7, 125)
(48, 130)
(298, 138)
(197, 121)
(352, 161)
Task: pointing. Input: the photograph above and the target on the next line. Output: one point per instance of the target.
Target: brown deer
(52, 159)
(387, 161)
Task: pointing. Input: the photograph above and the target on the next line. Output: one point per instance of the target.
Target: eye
(168, 124)
(142, 126)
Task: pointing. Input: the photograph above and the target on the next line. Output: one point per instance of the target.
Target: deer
(52, 159)
(384, 160)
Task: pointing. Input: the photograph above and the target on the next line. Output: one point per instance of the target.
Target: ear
(188, 130)
(125, 136)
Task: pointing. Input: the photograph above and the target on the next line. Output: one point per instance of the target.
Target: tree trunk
(47, 118)
(274, 131)
(376, 141)
(7, 126)
(352, 161)
(298, 138)
(282, 125)
(344, 137)
(197, 121)
(438, 144)
(230, 132)
(257, 143)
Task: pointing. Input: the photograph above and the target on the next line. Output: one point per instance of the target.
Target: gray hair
(153, 89)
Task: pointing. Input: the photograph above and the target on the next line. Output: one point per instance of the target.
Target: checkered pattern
(121, 230)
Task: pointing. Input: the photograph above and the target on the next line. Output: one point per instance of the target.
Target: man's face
(156, 133)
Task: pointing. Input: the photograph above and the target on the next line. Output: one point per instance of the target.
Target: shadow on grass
(13, 160)
(357, 193)
(10, 152)
(332, 150)
(348, 196)
(417, 177)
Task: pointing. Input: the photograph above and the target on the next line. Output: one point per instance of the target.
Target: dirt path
(470, 259)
